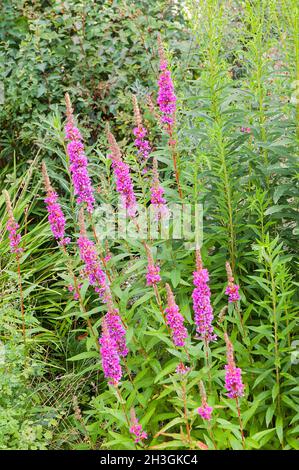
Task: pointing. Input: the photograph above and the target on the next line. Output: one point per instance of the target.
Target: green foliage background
(234, 65)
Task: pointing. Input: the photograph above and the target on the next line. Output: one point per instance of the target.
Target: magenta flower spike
(116, 329)
(124, 185)
(153, 270)
(158, 202)
(233, 379)
(92, 266)
(203, 311)
(110, 356)
(83, 189)
(12, 227)
(175, 319)
(56, 217)
(136, 428)
(140, 132)
(232, 289)
(205, 411)
(166, 97)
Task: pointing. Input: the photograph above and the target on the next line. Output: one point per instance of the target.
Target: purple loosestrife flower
(110, 357)
(157, 200)
(140, 132)
(12, 227)
(232, 289)
(116, 330)
(205, 411)
(182, 369)
(124, 185)
(56, 217)
(136, 428)
(233, 379)
(175, 319)
(152, 275)
(166, 96)
(78, 161)
(71, 288)
(202, 302)
(92, 268)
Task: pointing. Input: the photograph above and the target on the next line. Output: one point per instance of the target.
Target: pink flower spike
(136, 428)
(205, 411)
(92, 266)
(166, 96)
(233, 379)
(157, 200)
(116, 330)
(124, 185)
(140, 132)
(110, 357)
(202, 302)
(232, 289)
(175, 320)
(78, 161)
(12, 227)
(152, 276)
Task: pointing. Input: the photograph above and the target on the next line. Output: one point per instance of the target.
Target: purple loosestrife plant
(56, 217)
(232, 289)
(140, 132)
(233, 379)
(124, 185)
(78, 161)
(157, 200)
(202, 302)
(175, 320)
(205, 411)
(110, 356)
(136, 428)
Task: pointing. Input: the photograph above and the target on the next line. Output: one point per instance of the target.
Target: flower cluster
(75, 291)
(78, 161)
(182, 369)
(141, 143)
(12, 227)
(175, 319)
(233, 379)
(92, 268)
(117, 331)
(140, 132)
(110, 357)
(202, 302)
(14, 238)
(124, 184)
(232, 289)
(157, 200)
(56, 217)
(166, 96)
(152, 275)
(205, 411)
(136, 428)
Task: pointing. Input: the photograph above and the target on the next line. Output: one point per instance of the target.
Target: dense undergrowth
(231, 152)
